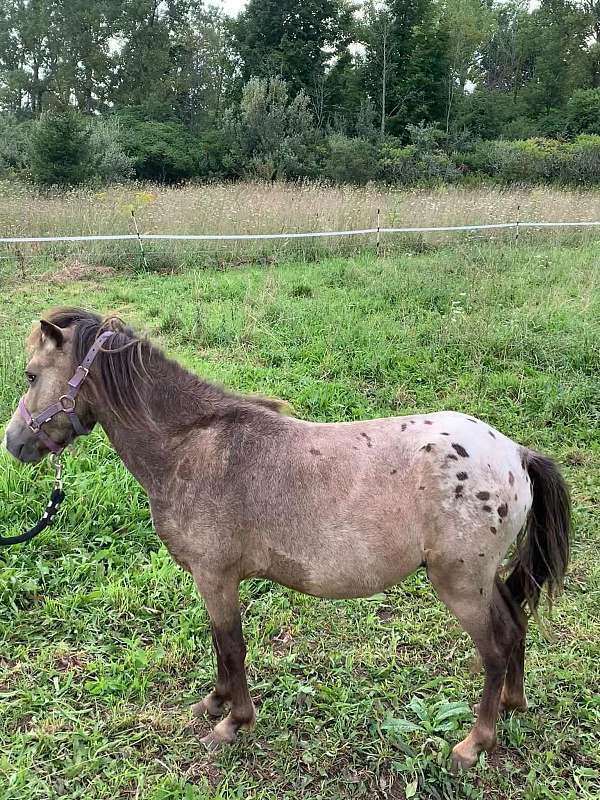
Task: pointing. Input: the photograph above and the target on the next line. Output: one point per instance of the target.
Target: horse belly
(342, 563)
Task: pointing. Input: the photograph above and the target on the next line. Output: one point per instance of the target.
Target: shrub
(537, 160)
(423, 160)
(272, 136)
(583, 112)
(110, 163)
(15, 138)
(585, 159)
(160, 151)
(350, 160)
(60, 149)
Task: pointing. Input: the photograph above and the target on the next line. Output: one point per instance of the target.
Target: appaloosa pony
(238, 489)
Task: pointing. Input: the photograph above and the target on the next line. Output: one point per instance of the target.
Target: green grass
(103, 643)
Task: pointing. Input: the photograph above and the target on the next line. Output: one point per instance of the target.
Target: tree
(557, 38)
(469, 25)
(60, 149)
(159, 151)
(583, 112)
(415, 65)
(292, 39)
(381, 50)
(273, 134)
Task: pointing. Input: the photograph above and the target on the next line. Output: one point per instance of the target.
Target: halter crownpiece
(65, 403)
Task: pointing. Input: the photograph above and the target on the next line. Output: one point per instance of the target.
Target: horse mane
(129, 367)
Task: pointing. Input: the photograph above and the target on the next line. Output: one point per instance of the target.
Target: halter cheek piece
(65, 403)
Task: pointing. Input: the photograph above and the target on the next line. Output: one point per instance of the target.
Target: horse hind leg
(512, 697)
(513, 692)
(483, 612)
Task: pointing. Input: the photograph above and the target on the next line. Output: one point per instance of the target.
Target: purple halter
(66, 403)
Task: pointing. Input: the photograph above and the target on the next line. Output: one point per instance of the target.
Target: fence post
(518, 220)
(141, 244)
(21, 260)
(378, 244)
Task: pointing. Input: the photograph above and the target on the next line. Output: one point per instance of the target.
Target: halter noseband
(65, 403)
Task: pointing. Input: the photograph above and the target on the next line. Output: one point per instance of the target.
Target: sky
(232, 7)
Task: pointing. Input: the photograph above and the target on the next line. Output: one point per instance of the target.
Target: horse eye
(30, 377)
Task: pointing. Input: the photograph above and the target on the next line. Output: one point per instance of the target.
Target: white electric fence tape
(208, 237)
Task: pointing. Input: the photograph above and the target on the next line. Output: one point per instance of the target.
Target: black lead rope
(47, 519)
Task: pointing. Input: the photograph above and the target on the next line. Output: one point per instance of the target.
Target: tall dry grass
(264, 208)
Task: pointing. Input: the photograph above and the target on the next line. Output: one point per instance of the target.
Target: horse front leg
(222, 603)
(215, 703)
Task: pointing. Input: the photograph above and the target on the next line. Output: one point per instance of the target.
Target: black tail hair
(542, 553)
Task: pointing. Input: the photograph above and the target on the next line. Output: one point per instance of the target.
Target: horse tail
(542, 552)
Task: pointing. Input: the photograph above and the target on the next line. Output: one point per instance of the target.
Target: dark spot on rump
(480, 590)
(404, 426)
(315, 452)
(462, 561)
(445, 434)
(428, 422)
(421, 488)
(458, 491)
(502, 510)
(412, 422)
(487, 508)
(493, 530)
(492, 434)
(368, 438)
(427, 447)
(483, 495)
(481, 555)
(516, 497)
(460, 450)
(511, 478)
(462, 476)
(393, 472)
(452, 457)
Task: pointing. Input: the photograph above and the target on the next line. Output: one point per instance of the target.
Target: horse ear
(52, 332)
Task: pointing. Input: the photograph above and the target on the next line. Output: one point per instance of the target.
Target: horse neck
(174, 407)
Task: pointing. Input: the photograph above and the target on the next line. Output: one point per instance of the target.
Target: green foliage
(537, 160)
(15, 136)
(583, 112)
(274, 136)
(406, 52)
(110, 164)
(61, 153)
(293, 39)
(160, 151)
(350, 160)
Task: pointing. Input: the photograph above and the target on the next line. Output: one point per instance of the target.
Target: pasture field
(103, 643)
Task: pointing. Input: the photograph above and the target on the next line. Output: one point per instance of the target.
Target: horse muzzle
(22, 445)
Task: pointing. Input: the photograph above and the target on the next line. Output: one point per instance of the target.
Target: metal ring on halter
(67, 403)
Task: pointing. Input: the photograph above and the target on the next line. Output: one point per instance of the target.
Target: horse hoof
(209, 707)
(460, 763)
(211, 742)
